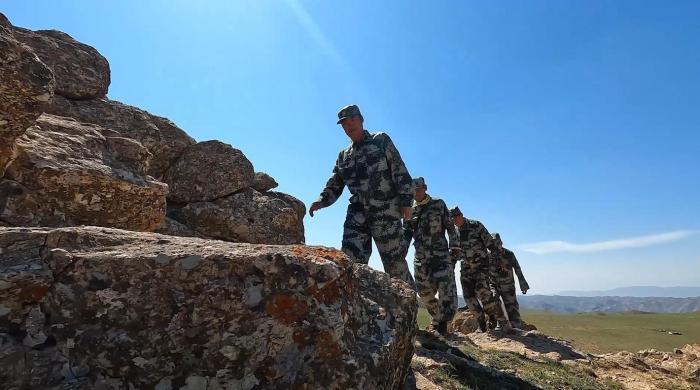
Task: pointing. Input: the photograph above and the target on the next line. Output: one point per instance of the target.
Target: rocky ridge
(71, 156)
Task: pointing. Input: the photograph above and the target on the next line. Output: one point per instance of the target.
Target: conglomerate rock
(81, 72)
(67, 173)
(26, 86)
(207, 171)
(246, 216)
(88, 307)
(159, 135)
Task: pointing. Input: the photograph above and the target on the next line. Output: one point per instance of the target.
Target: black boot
(482, 324)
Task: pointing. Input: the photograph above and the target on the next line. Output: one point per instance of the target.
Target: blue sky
(575, 122)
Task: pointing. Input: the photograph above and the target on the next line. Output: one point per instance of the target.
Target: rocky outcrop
(207, 171)
(163, 139)
(26, 86)
(110, 164)
(246, 216)
(262, 182)
(66, 173)
(171, 312)
(81, 72)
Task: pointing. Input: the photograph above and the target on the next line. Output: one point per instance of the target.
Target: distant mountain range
(638, 291)
(638, 298)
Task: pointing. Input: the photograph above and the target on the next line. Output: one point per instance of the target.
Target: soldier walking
(504, 263)
(475, 241)
(382, 194)
(433, 267)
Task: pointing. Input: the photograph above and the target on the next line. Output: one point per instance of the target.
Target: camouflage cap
(418, 181)
(455, 212)
(348, 112)
(496, 236)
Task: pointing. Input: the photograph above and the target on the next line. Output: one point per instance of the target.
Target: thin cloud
(545, 247)
(315, 32)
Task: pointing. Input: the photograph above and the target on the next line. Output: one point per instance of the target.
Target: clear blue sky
(572, 121)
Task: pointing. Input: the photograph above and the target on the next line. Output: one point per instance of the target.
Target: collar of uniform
(422, 202)
(365, 136)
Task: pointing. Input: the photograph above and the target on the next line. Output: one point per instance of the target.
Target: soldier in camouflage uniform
(503, 264)
(475, 241)
(433, 267)
(382, 194)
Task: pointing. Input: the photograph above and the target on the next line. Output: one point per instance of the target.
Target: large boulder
(26, 86)
(103, 308)
(207, 171)
(246, 216)
(68, 173)
(81, 72)
(163, 139)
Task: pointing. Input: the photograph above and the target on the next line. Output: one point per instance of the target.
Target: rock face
(262, 182)
(247, 216)
(26, 86)
(90, 160)
(207, 171)
(67, 173)
(81, 72)
(169, 312)
(160, 136)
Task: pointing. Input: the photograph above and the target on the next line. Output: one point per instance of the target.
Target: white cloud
(632, 242)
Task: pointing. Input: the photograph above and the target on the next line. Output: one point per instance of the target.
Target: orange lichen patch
(332, 290)
(333, 255)
(328, 348)
(286, 308)
(33, 293)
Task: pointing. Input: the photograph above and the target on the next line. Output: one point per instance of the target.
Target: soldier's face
(419, 194)
(353, 128)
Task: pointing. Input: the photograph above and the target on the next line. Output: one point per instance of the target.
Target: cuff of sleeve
(405, 200)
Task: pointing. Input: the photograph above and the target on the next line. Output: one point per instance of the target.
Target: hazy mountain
(564, 304)
(638, 291)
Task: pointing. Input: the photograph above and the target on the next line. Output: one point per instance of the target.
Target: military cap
(348, 112)
(455, 211)
(496, 236)
(418, 181)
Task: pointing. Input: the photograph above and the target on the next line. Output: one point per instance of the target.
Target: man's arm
(452, 234)
(399, 174)
(332, 191)
(518, 271)
(487, 238)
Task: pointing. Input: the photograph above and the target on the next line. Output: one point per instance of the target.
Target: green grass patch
(613, 332)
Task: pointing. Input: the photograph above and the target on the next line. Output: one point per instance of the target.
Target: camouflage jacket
(504, 263)
(427, 228)
(475, 241)
(373, 170)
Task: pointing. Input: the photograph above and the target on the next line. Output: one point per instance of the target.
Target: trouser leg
(387, 231)
(357, 239)
(469, 291)
(426, 289)
(492, 307)
(447, 290)
(511, 302)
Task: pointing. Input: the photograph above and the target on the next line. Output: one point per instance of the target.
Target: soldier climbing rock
(382, 194)
(475, 241)
(433, 265)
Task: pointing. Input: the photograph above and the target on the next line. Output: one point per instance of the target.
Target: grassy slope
(613, 332)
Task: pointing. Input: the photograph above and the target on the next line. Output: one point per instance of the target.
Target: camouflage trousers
(476, 288)
(383, 224)
(505, 288)
(435, 275)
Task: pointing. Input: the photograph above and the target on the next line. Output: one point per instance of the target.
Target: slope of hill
(638, 291)
(570, 304)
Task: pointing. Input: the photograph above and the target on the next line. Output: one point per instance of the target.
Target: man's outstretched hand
(315, 206)
(406, 213)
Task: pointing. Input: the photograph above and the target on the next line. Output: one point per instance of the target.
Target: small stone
(677, 351)
(162, 259)
(190, 262)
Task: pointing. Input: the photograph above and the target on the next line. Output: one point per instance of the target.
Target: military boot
(482, 324)
(504, 325)
(442, 328)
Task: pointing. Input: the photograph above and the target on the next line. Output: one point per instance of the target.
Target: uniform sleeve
(450, 227)
(400, 176)
(408, 229)
(518, 270)
(334, 186)
(487, 238)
